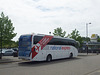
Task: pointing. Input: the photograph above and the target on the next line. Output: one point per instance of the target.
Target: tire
(71, 55)
(49, 58)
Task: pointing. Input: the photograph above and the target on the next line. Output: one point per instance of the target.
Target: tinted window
(56, 41)
(37, 39)
(25, 41)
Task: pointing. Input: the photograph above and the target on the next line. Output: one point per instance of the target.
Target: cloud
(43, 16)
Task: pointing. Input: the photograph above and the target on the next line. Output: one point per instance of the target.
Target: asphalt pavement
(82, 65)
(11, 59)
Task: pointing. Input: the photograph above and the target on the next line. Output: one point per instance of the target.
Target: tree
(59, 32)
(76, 36)
(98, 39)
(85, 39)
(6, 30)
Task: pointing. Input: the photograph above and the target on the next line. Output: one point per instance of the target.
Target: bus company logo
(65, 48)
(37, 47)
(59, 48)
(40, 45)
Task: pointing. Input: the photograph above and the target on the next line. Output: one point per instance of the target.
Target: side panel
(56, 51)
(59, 51)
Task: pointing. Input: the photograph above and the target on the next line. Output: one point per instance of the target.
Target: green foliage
(59, 32)
(6, 30)
(76, 36)
(98, 39)
(12, 44)
(86, 39)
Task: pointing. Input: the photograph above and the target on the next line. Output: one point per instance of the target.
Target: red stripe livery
(40, 45)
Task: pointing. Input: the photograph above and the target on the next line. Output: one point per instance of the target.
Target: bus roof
(50, 35)
(55, 36)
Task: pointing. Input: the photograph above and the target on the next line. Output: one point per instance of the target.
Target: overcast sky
(43, 16)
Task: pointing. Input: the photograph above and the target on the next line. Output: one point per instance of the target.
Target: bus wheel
(71, 55)
(49, 58)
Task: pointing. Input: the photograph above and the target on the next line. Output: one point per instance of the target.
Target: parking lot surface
(82, 65)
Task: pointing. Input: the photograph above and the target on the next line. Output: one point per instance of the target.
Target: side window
(57, 41)
(37, 39)
(51, 42)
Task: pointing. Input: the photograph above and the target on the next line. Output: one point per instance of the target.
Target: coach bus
(40, 47)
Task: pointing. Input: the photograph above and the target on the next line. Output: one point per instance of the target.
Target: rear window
(25, 41)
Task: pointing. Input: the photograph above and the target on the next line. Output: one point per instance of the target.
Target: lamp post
(87, 29)
(87, 36)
